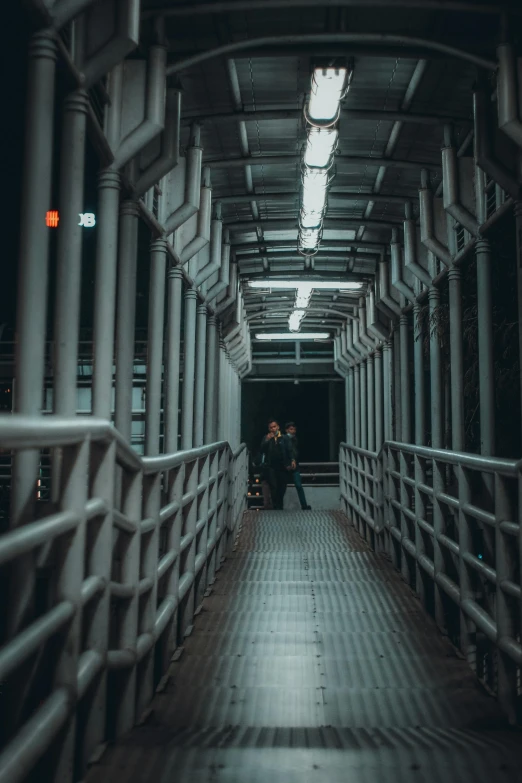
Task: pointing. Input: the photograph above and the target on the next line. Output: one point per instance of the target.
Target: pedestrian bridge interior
(229, 210)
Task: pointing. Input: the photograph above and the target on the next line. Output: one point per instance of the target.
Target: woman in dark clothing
(277, 462)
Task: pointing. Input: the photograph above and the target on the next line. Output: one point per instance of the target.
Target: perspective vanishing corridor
(229, 219)
(311, 661)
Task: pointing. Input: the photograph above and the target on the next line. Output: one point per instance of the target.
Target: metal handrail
(159, 528)
(463, 538)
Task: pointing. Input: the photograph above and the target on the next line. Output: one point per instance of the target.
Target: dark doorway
(305, 403)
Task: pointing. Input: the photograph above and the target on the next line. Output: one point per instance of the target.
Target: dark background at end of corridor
(305, 403)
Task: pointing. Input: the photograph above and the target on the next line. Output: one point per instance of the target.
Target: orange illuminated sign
(52, 218)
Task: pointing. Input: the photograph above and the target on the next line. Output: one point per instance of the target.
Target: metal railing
(450, 522)
(313, 474)
(112, 575)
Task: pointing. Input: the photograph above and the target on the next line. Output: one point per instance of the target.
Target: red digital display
(52, 218)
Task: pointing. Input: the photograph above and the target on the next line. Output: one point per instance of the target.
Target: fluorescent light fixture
(315, 182)
(294, 321)
(309, 238)
(303, 295)
(328, 87)
(320, 147)
(289, 336)
(334, 285)
(312, 219)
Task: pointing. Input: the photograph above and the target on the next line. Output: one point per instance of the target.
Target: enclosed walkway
(311, 660)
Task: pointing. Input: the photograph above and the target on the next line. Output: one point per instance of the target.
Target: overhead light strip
(288, 336)
(324, 285)
(328, 88)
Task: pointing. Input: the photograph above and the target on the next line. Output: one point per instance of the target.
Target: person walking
(293, 448)
(277, 462)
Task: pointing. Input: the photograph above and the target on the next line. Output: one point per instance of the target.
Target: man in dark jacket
(277, 462)
(293, 447)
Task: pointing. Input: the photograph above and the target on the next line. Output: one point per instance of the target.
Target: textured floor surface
(312, 661)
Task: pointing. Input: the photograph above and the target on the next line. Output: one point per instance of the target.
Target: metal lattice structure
(123, 474)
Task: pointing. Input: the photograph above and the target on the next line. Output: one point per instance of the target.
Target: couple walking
(279, 460)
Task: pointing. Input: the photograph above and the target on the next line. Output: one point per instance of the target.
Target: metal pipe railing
(443, 534)
(146, 534)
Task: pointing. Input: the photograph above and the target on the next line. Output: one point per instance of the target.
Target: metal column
(419, 381)
(436, 443)
(105, 292)
(456, 359)
(126, 316)
(221, 394)
(387, 363)
(172, 361)
(518, 224)
(421, 579)
(379, 410)
(31, 320)
(158, 265)
(435, 374)
(485, 348)
(405, 386)
(199, 392)
(189, 352)
(357, 404)
(364, 401)
(210, 435)
(371, 403)
(69, 255)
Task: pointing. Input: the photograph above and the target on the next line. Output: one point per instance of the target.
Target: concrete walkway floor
(311, 662)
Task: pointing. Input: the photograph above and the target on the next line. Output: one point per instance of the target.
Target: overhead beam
(381, 246)
(225, 6)
(378, 40)
(340, 160)
(333, 195)
(321, 256)
(279, 115)
(341, 224)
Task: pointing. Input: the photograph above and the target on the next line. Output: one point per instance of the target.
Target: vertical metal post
(158, 263)
(371, 403)
(350, 412)
(405, 386)
(69, 255)
(172, 361)
(387, 362)
(221, 395)
(419, 381)
(105, 292)
(485, 348)
(435, 374)
(210, 435)
(420, 440)
(189, 355)
(126, 316)
(31, 311)
(357, 404)
(364, 400)
(405, 436)
(199, 392)
(99, 564)
(69, 581)
(436, 443)
(518, 224)
(456, 359)
(34, 247)
(506, 557)
(396, 386)
(379, 410)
